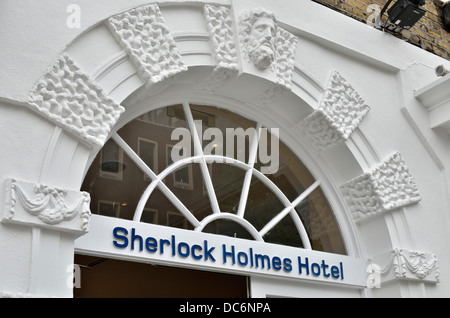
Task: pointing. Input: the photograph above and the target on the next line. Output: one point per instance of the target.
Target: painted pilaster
(55, 217)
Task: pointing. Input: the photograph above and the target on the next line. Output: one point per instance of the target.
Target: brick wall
(429, 32)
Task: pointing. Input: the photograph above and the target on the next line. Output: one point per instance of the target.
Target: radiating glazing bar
(198, 150)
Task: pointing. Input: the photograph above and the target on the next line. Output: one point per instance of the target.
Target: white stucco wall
(384, 70)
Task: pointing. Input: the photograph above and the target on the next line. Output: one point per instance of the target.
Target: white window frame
(155, 154)
(202, 159)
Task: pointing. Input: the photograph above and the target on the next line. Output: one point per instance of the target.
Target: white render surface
(399, 114)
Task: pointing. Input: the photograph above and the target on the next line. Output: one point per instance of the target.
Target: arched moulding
(71, 99)
(386, 187)
(44, 206)
(143, 34)
(340, 112)
(229, 59)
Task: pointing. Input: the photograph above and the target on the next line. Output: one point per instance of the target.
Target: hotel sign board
(141, 242)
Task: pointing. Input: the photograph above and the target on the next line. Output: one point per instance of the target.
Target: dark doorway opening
(110, 278)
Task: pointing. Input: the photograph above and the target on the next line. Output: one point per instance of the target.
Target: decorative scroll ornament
(266, 45)
(339, 113)
(387, 187)
(419, 264)
(55, 208)
(144, 35)
(405, 264)
(71, 99)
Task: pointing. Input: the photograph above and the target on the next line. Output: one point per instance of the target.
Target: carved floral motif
(419, 264)
(403, 264)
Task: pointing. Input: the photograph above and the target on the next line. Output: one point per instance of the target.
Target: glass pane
(186, 183)
(167, 213)
(148, 151)
(108, 208)
(320, 223)
(150, 216)
(228, 228)
(284, 233)
(115, 192)
(111, 159)
(282, 166)
(150, 134)
(224, 133)
(262, 205)
(228, 182)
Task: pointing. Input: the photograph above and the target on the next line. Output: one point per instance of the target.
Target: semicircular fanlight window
(203, 168)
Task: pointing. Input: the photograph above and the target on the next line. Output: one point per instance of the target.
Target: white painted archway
(257, 101)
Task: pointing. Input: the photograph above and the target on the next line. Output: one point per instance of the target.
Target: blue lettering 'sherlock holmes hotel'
(227, 253)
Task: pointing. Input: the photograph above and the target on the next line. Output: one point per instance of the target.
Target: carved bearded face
(258, 37)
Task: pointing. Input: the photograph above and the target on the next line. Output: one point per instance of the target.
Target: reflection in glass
(323, 231)
(228, 228)
(227, 181)
(122, 191)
